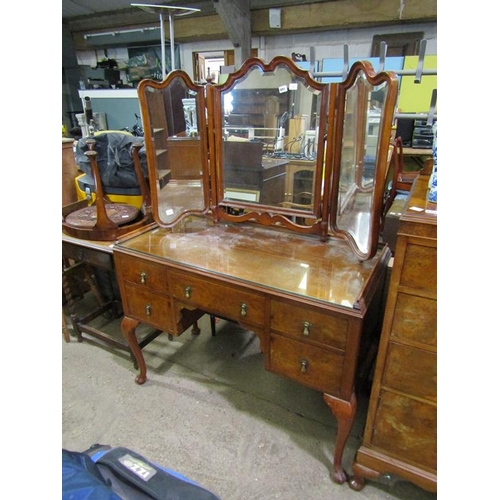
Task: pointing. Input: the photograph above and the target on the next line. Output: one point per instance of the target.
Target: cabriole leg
(344, 412)
(128, 327)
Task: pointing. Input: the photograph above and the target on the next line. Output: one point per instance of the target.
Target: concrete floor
(211, 412)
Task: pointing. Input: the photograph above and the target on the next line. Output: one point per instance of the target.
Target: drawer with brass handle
(318, 368)
(226, 301)
(306, 323)
(143, 272)
(149, 307)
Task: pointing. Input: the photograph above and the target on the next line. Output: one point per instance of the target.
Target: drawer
(420, 268)
(406, 429)
(148, 307)
(415, 319)
(302, 323)
(143, 272)
(225, 301)
(412, 371)
(306, 364)
(89, 256)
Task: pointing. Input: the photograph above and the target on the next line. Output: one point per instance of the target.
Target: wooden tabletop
(301, 265)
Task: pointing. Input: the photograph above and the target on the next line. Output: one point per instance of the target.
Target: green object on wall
(416, 97)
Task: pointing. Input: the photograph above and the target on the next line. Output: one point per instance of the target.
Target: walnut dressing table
(307, 301)
(309, 280)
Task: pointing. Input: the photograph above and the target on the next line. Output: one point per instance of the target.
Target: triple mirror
(273, 146)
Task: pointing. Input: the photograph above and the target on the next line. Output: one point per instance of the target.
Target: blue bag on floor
(107, 473)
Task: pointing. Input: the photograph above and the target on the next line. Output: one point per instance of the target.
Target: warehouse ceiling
(76, 8)
(218, 19)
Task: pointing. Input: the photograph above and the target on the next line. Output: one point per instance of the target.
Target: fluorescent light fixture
(120, 32)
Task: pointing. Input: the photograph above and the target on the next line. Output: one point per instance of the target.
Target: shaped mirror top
(272, 119)
(365, 122)
(272, 146)
(173, 113)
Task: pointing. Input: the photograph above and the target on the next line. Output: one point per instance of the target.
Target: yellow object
(134, 200)
(416, 97)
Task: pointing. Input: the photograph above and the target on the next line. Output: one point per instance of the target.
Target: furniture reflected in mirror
(102, 219)
(251, 177)
(174, 118)
(405, 177)
(269, 122)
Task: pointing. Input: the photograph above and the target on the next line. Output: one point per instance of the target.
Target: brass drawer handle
(187, 292)
(144, 276)
(148, 309)
(303, 365)
(243, 310)
(306, 328)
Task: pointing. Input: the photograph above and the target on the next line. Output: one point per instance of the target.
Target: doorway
(207, 65)
(398, 44)
(213, 64)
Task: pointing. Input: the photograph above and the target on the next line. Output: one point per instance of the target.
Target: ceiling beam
(236, 17)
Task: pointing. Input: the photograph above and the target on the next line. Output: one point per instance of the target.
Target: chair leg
(65, 327)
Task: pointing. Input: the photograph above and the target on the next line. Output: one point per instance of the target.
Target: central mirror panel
(174, 119)
(271, 119)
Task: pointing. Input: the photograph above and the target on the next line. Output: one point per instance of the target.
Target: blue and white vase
(432, 194)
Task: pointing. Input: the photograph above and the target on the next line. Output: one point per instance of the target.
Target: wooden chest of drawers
(401, 428)
(310, 324)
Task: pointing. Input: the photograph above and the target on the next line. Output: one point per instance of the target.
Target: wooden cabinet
(251, 107)
(312, 304)
(299, 183)
(401, 428)
(184, 158)
(159, 130)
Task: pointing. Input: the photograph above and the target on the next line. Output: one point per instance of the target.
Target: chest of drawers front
(401, 430)
(300, 341)
(145, 291)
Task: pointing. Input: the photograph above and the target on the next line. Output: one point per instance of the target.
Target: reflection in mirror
(174, 129)
(363, 162)
(271, 155)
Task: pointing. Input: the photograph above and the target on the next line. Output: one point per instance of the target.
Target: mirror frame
(322, 220)
(334, 153)
(142, 90)
(238, 211)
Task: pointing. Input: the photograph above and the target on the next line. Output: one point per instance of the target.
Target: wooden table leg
(344, 411)
(196, 329)
(128, 327)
